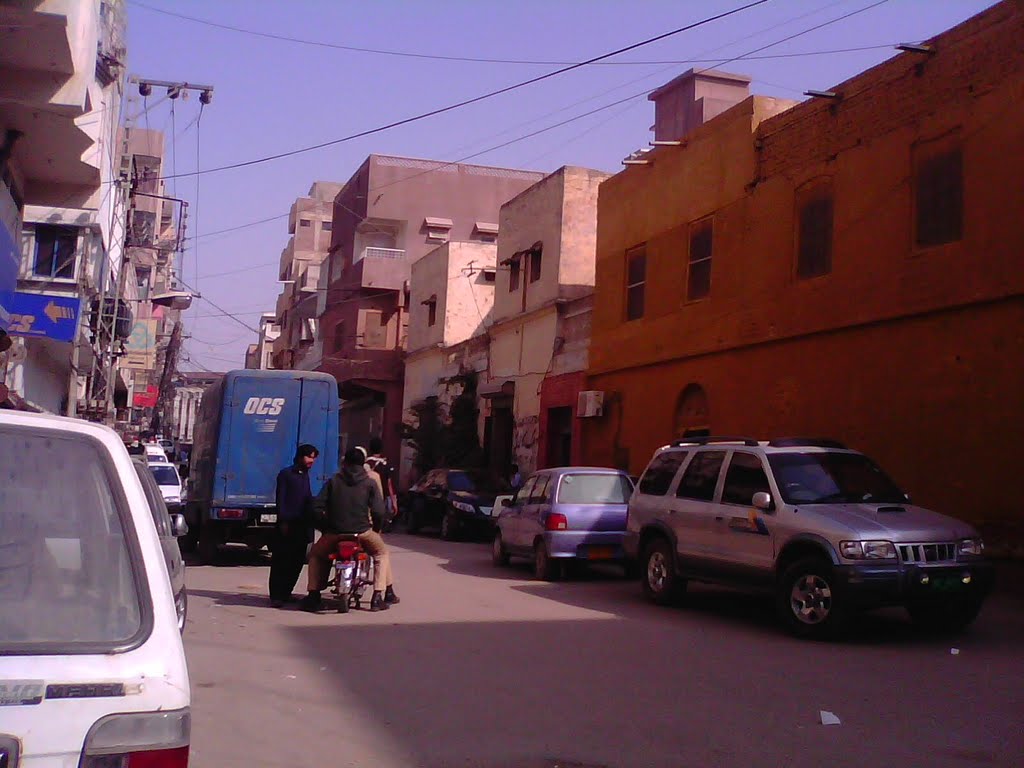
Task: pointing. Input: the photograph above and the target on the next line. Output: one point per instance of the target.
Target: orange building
(852, 267)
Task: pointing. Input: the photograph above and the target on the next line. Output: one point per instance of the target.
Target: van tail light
(229, 514)
(139, 740)
(556, 522)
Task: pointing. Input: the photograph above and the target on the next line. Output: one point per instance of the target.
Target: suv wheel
(661, 584)
(950, 616)
(808, 599)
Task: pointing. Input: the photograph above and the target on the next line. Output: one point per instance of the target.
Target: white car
(92, 668)
(167, 478)
(155, 454)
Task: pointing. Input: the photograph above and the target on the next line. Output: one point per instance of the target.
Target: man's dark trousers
(288, 556)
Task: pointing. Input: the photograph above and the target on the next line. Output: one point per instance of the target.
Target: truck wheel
(658, 573)
(945, 617)
(209, 544)
(808, 600)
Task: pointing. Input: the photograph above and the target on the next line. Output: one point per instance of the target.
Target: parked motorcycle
(352, 569)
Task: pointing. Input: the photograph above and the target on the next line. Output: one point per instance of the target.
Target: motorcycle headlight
(464, 507)
(974, 547)
(867, 550)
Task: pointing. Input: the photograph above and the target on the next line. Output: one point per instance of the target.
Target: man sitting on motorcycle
(340, 510)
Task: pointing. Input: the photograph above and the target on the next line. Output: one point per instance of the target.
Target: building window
(56, 249)
(431, 305)
(304, 222)
(698, 279)
(535, 264)
(814, 238)
(325, 226)
(437, 229)
(490, 275)
(514, 269)
(636, 281)
(939, 197)
(338, 340)
(437, 235)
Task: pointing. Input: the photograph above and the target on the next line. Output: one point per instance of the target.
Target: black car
(459, 501)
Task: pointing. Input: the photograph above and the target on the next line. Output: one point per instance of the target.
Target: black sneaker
(310, 603)
(377, 602)
(390, 597)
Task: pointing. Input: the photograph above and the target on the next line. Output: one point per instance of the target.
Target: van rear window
(594, 489)
(68, 580)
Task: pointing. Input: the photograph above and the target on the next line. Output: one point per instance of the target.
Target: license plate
(600, 553)
(268, 518)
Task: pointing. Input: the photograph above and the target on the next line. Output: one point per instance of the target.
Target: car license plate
(268, 518)
(600, 553)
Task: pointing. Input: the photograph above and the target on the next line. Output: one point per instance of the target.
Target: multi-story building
(61, 83)
(392, 212)
(309, 224)
(850, 267)
(189, 387)
(541, 320)
(260, 356)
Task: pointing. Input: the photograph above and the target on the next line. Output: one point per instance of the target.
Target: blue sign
(8, 274)
(41, 315)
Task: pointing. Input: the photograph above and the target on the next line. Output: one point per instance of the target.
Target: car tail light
(556, 522)
(230, 514)
(140, 740)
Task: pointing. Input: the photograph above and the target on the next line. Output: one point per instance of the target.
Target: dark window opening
(514, 269)
(636, 281)
(431, 312)
(940, 198)
(814, 248)
(339, 336)
(325, 226)
(56, 249)
(304, 222)
(535, 265)
(490, 275)
(698, 282)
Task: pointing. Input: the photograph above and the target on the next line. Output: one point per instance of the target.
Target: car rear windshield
(68, 580)
(469, 481)
(832, 477)
(594, 489)
(164, 474)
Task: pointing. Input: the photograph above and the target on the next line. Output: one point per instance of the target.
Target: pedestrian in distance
(378, 463)
(517, 478)
(293, 534)
(341, 509)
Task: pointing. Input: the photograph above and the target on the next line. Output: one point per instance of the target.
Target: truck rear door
(318, 426)
(263, 422)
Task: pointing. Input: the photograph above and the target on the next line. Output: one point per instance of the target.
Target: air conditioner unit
(590, 403)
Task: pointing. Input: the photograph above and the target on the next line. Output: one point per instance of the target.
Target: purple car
(565, 515)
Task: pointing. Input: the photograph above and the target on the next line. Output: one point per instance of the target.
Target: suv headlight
(974, 547)
(464, 507)
(867, 550)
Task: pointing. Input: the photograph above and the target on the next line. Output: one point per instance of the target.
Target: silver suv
(818, 525)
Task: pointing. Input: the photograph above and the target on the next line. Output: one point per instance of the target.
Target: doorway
(559, 437)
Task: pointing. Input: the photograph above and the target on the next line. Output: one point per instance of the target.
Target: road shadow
(243, 599)
(231, 556)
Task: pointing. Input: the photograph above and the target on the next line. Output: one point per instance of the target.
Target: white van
(167, 478)
(155, 454)
(92, 669)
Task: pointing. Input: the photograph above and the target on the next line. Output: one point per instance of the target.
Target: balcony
(374, 252)
(380, 268)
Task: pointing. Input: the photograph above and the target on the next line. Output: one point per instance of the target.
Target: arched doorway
(692, 416)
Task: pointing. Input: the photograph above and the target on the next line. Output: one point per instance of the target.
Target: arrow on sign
(56, 313)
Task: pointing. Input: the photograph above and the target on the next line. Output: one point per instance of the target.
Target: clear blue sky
(273, 96)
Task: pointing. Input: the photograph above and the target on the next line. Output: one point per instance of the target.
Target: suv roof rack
(806, 442)
(705, 440)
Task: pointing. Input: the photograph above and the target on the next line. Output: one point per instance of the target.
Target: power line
(482, 97)
(441, 57)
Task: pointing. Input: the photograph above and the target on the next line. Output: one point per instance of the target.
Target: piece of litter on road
(954, 651)
(323, 669)
(291, 677)
(827, 718)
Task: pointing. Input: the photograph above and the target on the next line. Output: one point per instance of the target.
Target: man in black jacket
(294, 508)
(350, 504)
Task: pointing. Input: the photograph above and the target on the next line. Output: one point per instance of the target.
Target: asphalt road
(482, 666)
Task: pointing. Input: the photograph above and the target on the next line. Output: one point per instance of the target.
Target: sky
(273, 96)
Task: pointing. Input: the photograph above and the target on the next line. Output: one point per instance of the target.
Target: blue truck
(249, 426)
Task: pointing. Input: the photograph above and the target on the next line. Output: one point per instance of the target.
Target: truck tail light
(139, 740)
(230, 514)
(556, 522)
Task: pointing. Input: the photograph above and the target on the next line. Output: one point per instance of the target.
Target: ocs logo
(264, 406)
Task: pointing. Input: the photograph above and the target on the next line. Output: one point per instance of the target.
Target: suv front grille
(944, 552)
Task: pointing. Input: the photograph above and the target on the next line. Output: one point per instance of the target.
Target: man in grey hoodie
(350, 503)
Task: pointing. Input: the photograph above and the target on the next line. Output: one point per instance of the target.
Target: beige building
(309, 224)
(451, 297)
(260, 356)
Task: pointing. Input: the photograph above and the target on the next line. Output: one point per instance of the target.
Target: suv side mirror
(763, 501)
(179, 527)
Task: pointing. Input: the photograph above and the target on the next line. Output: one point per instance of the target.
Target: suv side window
(744, 478)
(701, 476)
(658, 476)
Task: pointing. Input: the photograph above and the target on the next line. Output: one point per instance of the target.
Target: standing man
(294, 504)
(340, 509)
(517, 478)
(379, 464)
